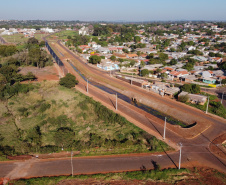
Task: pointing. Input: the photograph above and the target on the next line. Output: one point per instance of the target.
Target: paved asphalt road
(195, 152)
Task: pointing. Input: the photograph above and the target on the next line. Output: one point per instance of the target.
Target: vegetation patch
(60, 118)
(167, 175)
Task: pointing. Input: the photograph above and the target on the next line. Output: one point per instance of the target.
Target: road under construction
(192, 144)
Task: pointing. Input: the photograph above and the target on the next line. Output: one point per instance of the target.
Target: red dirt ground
(46, 73)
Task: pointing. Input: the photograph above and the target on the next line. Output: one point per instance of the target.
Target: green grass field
(64, 34)
(20, 38)
(97, 130)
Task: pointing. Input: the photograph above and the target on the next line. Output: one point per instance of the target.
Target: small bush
(68, 81)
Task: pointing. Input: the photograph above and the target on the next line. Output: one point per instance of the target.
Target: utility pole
(180, 156)
(116, 104)
(72, 170)
(164, 134)
(207, 105)
(222, 97)
(87, 86)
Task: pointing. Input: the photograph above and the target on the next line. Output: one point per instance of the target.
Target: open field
(46, 73)
(19, 38)
(64, 34)
(30, 123)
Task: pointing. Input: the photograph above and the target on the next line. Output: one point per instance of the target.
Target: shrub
(68, 81)
(183, 98)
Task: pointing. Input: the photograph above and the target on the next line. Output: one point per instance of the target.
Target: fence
(56, 58)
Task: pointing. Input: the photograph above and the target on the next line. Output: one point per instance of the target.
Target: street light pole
(116, 104)
(180, 156)
(207, 105)
(164, 134)
(222, 97)
(72, 170)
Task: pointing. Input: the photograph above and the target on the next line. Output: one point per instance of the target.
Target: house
(207, 74)
(108, 65)
(168, 68)
(83, 31)
(85, 56)
(178, 74)
(84, 48)
(131, 55)
(200, 58)
(217, 59)
(208, 80)
(171, 91)
(103, 50)
(189, 48)
(188, 78)
(194, 98)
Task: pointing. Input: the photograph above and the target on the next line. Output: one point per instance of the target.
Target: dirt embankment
(217, 146)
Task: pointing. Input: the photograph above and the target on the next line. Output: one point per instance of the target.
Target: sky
(113, 10)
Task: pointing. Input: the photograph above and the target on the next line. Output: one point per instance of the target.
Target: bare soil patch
(46, 73)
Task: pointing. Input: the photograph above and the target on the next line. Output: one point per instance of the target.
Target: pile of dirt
(56, 155)
(20, 157)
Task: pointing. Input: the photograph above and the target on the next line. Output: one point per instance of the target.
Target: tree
(222, 65)
(3, 81)
(223, 81)
(186, 87)
(35, 137)
(151, 55)
(173, 62)
(195, 89)
(163, 56)
(125, 50)
(172, 49)
(42, 44)
(142, 64)
(211, 54)
(144, 72)
(158, 70)
(34, 54)
(7, 50)
(189, 66)
(113, 58)
(137, 39)
(64, 137)
(79, 50)
(164, 75)
(191, 88)
(30, 76)
(32, 41)
(94, 59)
(132, 63)
(195, 52)
(183, 99)
(68, 81)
